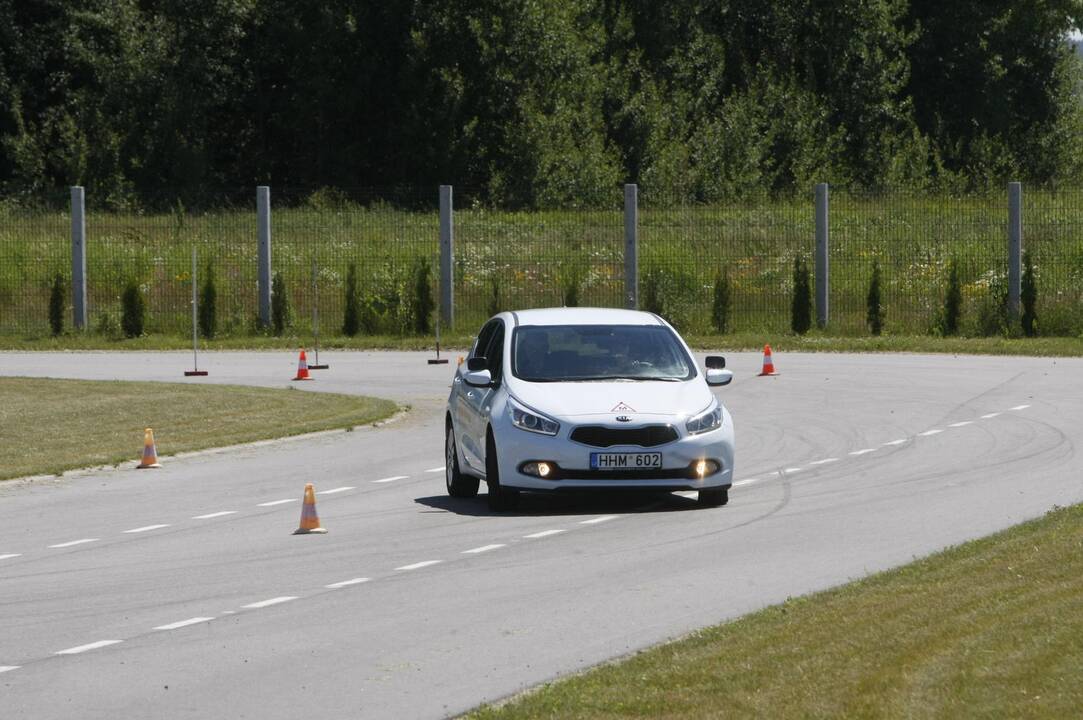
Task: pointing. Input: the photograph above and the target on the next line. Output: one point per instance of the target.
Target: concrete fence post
(631, 246)
(78, 257)
(263, 230)
(1015, 246)
(447, 257)
(823, 267)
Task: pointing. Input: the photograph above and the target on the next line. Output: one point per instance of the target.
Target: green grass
(56, 425)
(990, 629)
(530, 256)
(455, 344)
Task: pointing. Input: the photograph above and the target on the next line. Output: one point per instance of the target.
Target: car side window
(495, 353)
(484, 338)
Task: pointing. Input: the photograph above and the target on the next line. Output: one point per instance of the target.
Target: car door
(469, 408)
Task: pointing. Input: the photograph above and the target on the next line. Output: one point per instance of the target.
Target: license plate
(625, 461)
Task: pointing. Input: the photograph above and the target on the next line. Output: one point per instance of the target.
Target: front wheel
(714, 497)
(458, 484)
(500, 498)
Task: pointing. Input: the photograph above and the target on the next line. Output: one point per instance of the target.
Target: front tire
(458, 484)
(500, 498)
(714, 497)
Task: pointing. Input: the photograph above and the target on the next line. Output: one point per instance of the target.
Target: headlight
(705, 421)
(530, 420)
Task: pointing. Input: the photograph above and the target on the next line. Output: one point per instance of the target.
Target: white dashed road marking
(990, 415)
(184, 623)
(436, 469)
(268, 603)
(927, 433)
(275, 502)
(85, 648)
(749, 481)
(344, 488)
(602, 519)
(345, 583)
(964, 423)
(8, 668)
(789, 471)
(863, 452)
(75, 542)
(896, 442)
(544, 533)
(483, 548)
(1020, 407)
(208, 516)
(393, 478)
(9, 555)
(415, 566)
(146, 528)
(824, 461)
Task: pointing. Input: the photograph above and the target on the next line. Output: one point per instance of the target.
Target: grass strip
(454, 344)
(989, 629)
(54, 425)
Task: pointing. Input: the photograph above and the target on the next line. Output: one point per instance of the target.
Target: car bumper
(516, 447)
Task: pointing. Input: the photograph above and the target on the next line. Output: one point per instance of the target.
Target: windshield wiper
(600, 378)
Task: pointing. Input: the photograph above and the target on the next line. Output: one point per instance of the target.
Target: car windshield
(570, 353)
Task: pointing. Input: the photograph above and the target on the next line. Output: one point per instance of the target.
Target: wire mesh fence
(508, 260)
(511, 259)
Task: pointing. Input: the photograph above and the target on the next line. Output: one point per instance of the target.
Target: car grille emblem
(623, 418)
(622, 408)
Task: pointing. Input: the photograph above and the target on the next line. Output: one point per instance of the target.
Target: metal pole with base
(195, 371)
(316, 321)
(438, 360)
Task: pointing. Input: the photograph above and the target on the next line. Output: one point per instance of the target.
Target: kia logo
(623, 418)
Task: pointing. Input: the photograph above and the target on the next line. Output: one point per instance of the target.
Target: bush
(208, 305)
(953, 302)
(992, 317)
(494, 300)
(134, 310)
(56, 305)
(1028, 296)
(720, 310)
(875, 309)
(351, 316)
(801, 308)
(423, 303)
(280, 305)
(570, 280)
(107, 326)
(650, 294)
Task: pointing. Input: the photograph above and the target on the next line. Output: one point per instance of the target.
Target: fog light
(703, 468)
(543, 469)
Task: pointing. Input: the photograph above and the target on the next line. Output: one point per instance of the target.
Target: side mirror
(715, 362)
(478, 378)
(476, 363)
(718, 376)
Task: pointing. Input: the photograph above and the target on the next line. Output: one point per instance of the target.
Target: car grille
(645, 436)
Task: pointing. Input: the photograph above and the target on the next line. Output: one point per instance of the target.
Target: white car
(586, 398)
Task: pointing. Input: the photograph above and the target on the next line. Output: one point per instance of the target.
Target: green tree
(281, 315)
(208, 304)
(133, 310)
(1028, 296)
(351, 316)
(874, 308)
(801, 305)
(57, 305)
(720, 309)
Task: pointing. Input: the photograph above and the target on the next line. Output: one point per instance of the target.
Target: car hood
(633, 398)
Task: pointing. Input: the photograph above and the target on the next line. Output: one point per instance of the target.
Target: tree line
(536, 103)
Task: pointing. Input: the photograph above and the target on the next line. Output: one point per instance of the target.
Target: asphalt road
(181, 592)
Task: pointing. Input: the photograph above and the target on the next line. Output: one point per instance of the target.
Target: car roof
(584, 316)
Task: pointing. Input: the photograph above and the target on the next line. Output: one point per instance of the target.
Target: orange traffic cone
(768, 364)
(310, 521)
(150, 451)
(302, 367)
